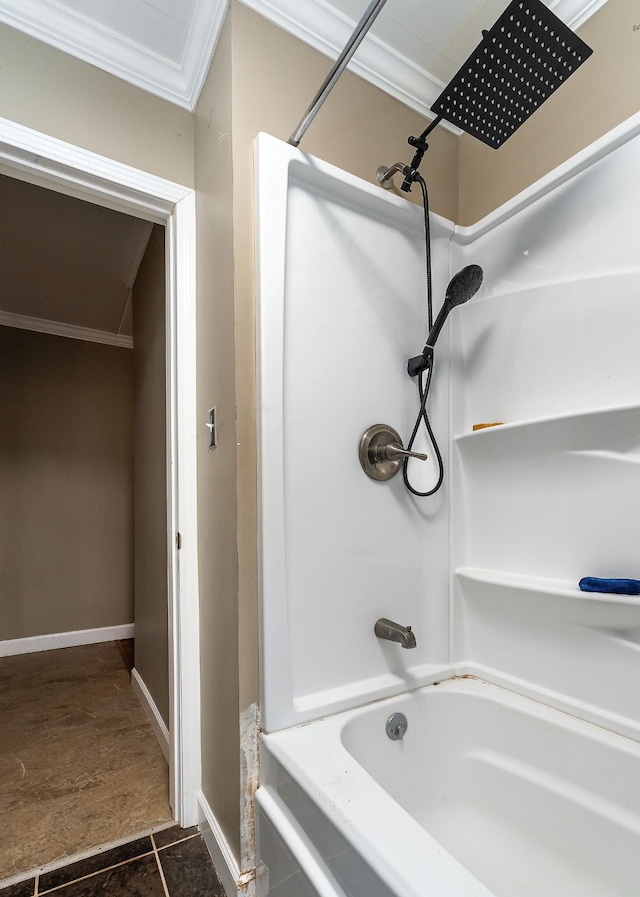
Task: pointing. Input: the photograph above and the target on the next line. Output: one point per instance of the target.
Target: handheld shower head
(462, 287)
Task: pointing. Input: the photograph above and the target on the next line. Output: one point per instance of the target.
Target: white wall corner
(153, 714)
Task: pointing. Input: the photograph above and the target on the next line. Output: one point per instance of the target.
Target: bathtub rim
(413, 863)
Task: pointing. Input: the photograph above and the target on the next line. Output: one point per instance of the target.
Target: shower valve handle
(393, 452)
(381, 452)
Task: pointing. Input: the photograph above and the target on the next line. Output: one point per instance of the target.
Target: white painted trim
(206, 26)
(71, 331)
(564, 172)
(575, 13)
(219, 849)
(88, 40)
(184, 722)
(41, 159)
(55, 640)
(153, 714)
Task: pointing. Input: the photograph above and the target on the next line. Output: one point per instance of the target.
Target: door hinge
(178, 541)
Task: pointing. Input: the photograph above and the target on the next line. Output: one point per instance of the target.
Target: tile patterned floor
(79, 764)
(169, 863)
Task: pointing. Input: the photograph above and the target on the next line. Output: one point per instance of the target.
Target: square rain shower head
(519, 63)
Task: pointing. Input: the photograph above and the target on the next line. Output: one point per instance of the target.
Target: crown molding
(71, 331)
(575, 13)
(312, 21)
(66, 30)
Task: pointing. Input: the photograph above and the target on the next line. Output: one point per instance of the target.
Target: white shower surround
(338, 550)
(549, 347)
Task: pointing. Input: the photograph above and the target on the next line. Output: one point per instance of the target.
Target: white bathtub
(489, 793)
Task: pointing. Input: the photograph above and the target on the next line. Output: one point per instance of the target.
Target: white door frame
(39, 159)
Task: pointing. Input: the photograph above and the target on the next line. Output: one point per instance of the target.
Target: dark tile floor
(170, 863)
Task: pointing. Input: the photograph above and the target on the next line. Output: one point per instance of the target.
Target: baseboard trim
(153, 714)
(218, 846)
(10, 647)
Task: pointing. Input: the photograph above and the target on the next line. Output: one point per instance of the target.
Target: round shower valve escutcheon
(381, 452)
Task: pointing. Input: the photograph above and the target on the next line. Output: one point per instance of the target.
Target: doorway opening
(168, 209)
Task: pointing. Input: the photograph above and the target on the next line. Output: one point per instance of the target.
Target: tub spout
(394, 632)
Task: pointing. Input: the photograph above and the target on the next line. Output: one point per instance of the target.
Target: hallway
(80, 766)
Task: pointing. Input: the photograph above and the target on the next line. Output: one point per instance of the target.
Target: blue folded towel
(617, 586)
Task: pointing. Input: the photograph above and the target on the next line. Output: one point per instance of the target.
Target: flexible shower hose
(423, 390)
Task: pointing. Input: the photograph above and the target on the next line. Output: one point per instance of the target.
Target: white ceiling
(165, 46)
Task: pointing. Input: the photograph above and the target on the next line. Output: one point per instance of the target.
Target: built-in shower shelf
(521, 585)
(613, 429)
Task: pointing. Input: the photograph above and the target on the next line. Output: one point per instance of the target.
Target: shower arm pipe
(421, 146)
(340, 65)
(410, 172)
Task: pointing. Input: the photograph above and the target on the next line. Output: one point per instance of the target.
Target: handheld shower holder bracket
(420, 363)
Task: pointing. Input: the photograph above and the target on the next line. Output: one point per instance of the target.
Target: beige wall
(359, 127)
(150, 474)
(44, 89)
(600, 95)
(217, 519)
(65, 485)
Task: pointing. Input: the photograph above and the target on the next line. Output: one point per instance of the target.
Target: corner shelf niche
(614, 428)
(600, 606)
(553, 498)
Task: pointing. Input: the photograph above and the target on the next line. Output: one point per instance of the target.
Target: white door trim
(39, 159)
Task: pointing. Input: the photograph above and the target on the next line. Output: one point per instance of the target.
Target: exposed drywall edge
(153, 714)
(219, 849)
(249, 780)
(597, 150)
(53, 641)
(70, 331)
